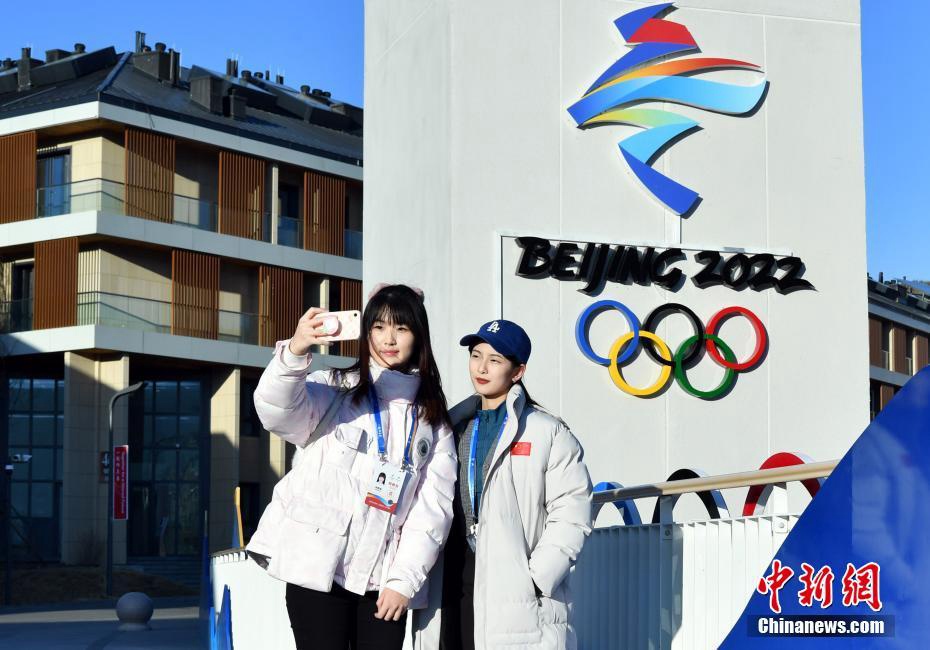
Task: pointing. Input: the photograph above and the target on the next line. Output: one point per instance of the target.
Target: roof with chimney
(910, 296)
(152, 80)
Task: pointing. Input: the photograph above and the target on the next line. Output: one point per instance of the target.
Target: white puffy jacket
(534, 516)
(317, 528)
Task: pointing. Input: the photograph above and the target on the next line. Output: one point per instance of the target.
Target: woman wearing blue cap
(522, 510)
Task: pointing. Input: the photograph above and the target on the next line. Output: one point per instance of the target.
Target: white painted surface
(259, 612)
(467, 137)
(680, 586)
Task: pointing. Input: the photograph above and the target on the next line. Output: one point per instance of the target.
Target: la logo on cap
(494, 327)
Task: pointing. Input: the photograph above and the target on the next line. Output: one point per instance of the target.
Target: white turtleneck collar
(393, 385)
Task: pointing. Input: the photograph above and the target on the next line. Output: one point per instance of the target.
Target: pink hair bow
(381, 285)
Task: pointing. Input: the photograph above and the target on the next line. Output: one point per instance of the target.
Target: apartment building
(165, 224)
(899, 331)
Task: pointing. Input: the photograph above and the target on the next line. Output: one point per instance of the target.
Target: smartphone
(341, 325)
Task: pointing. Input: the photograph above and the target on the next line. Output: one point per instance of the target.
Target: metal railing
(776, 475)
(16, 316)
(131, 312)
(680, 584)
(290, 232)
(102, 195)
(353, 244)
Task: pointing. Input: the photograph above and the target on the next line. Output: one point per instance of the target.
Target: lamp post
(8, 525)
(126, 391)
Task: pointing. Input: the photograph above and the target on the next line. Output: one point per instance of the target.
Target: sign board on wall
(121, 483)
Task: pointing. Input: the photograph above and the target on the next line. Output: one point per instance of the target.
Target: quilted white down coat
(535, 513)
(317, 528)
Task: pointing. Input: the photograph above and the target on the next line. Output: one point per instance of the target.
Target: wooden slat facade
(241, 195)
(18, 180)
(55, 298)
(195, 294)
(350, 297)
(150, 167)
(324, 213)
(280, 303)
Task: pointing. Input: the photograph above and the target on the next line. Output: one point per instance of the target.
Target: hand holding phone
(319, 327)
(341, 325)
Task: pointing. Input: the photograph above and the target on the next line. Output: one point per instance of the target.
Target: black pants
(457, 622)
(340, 620)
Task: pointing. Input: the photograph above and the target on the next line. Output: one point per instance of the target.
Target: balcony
(15, 316)
(98, 194)
(115, 310)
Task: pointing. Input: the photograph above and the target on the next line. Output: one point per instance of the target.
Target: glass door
(165, 514)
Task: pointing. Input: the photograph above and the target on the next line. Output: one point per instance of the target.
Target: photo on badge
(387, 485)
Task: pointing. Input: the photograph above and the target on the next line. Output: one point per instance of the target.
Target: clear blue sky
(897, 155)
(321, 44)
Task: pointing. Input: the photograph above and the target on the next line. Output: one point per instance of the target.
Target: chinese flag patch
(521, 449)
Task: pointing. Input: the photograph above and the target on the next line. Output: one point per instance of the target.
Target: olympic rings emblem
(687, 354)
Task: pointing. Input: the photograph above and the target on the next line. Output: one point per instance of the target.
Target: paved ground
(94, 626)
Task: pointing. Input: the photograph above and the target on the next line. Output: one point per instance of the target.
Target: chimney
(305, 90)
(236, 104)
(258, 75)
(24, 69)
(881, 277)
(174, 67)
(279, 79)
(232, 68)
(140, 41)
(6, 64)
(146, 48)
(160, 47)
(79, 48)
(268, 75)
(246, 75)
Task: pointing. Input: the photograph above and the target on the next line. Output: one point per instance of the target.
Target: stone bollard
(134, 611)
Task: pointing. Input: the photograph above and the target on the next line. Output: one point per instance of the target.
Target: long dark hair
(526, 394)
(401, 305)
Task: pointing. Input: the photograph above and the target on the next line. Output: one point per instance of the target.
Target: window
(910, 340)
(165, 438)
(21, 297)
(289, 225)
(36, 419)
(249, 424)
(886, 345)
(875, 404)
(53, 178)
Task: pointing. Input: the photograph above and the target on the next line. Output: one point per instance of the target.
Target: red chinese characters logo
(862, 586)
(859, 585)
(817, 586)
(773, 583)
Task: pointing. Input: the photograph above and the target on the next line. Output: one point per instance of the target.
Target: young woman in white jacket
(355, 527)
(522, 512)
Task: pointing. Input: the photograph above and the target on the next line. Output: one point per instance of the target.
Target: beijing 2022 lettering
(595, 264)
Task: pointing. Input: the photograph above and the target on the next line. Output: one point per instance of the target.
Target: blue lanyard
(382, 446)
(473, 452)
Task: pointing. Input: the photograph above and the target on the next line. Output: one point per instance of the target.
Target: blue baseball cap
(505, 336)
